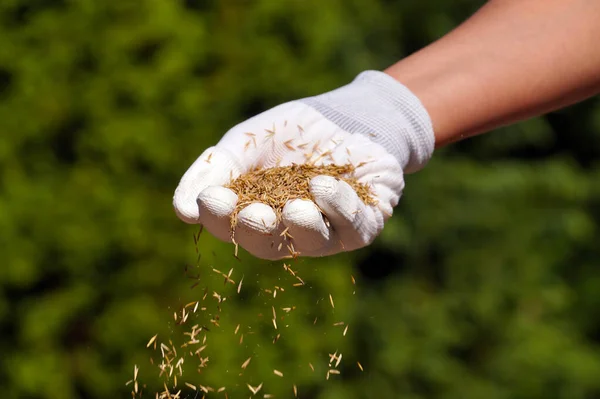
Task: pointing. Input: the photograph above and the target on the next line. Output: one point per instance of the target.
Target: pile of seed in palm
(276, 186)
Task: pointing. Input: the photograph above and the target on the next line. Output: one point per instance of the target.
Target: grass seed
(278, 185)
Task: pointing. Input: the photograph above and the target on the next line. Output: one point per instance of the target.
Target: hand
(374, 123)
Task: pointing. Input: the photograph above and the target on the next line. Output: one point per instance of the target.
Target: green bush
(483, 285)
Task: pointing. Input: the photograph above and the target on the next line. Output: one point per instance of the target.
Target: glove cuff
(377, 105)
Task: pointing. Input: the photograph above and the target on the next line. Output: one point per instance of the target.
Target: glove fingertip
(185, 205)
(334, 196)
(258, 218)
(306, 226)
(215, 205)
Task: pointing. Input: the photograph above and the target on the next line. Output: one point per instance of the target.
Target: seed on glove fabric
(276, 186)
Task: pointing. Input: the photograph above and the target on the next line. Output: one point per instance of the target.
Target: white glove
(374, 121)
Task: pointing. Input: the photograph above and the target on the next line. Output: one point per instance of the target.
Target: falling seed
(228, 277)
(151, 341)
(236, 329)
(246, 363)
(332, 357)
(254, 390)
(334, 371)
(331, 300)
(311, 366)
(203, 388)
(207, 160)
(235, 252)
(275, 323)
(360, 366)
(276, 338)
(278, 373)
(345, 331)
(291, 248)
(239, 288)
(268, 395)
(339, 323)
(353, 280)
(338, 360)
(295, 391)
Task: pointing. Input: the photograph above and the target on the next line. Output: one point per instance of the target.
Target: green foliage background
(485, 283)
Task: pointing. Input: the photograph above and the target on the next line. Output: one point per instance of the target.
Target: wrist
(443, 88)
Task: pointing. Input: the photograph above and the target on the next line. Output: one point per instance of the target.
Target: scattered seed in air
(191, 386)
(246, 363)
(256, 389)
(151, 341)
(274, 186)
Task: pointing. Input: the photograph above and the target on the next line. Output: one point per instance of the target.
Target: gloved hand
(374, 122)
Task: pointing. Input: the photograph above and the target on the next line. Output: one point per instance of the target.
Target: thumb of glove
(200, 196)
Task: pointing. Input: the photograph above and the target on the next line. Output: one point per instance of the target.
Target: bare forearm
(512, 60)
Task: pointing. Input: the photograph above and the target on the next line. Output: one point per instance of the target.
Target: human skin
(512, 60)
